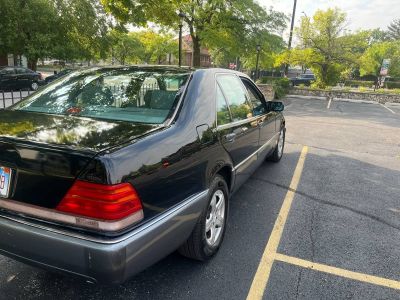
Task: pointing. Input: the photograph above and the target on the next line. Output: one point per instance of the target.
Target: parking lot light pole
(181, 16)
(258, 58)
(291, 33)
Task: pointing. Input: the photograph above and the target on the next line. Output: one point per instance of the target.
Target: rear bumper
(103, 261)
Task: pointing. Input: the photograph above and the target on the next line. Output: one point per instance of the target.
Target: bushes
(392, 85)
(267, 79)
(359, 83)
(281, 85)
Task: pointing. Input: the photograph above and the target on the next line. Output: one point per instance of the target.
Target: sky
(362, 14)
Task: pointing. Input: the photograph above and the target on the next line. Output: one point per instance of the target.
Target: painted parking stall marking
(338, 271)
(270, 254)
(264, 268)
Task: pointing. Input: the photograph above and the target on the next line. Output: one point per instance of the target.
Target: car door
(25, 77)
(266, 121)
(237, 127)
(7, 79)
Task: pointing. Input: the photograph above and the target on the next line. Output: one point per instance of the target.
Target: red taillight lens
(99, 201)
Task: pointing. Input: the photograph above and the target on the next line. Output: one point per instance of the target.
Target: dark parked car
(305, 79)
(55, 76)
(19, 78)
(103, 174)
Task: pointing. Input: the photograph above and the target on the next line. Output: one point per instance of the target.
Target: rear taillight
(102, 202)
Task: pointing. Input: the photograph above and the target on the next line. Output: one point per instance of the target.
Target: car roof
(165, 68)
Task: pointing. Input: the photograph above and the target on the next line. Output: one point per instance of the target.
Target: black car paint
(166, 164)
(169, 164)
(21, 79)
(55, 76)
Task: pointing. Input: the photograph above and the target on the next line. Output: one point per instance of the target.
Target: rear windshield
(118, 94)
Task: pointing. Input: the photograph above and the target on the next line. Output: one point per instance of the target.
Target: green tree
(156, 46)
(326, 47)
(63, 29)
(371, 60)
(28, 28)
(85, 27)
(125, 47)
(394, 30)
(210, 23)
(378, 36)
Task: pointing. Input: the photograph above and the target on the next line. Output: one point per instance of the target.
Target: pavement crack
(311, 235)
(325, 202)
(298, 283)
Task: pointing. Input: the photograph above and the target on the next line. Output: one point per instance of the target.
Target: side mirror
(275, 106)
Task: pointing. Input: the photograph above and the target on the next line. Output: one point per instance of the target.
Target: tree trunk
(324, 74)
(32, 64)
(196, 51)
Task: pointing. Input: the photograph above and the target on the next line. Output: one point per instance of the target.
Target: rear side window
(223, 115)
(136, 95)
(232, 88)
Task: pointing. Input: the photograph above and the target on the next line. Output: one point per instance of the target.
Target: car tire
(34, 86)
(209, 231)
(280, 146)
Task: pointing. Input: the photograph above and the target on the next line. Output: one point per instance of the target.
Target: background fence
(9, 98)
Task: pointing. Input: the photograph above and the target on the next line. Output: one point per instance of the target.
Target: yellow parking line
(339, 272)
(264, 268)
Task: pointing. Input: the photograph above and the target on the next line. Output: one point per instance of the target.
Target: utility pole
(258, 48)
(291, 33)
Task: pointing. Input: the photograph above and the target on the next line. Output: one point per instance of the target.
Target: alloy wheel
(215, 220)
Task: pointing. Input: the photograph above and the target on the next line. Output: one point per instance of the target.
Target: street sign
(385, 67)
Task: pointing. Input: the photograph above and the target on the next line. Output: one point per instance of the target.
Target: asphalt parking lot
(324, 223)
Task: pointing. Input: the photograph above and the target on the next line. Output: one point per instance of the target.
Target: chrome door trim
(255, 153)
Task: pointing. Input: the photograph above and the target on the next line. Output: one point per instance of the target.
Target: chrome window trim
(238, 123)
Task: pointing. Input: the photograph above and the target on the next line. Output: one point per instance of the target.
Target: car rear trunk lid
(46, 153)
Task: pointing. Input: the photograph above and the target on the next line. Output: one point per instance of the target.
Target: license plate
(5, 179)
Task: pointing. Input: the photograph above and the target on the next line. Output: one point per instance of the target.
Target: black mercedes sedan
(107, 170)
(19, 78)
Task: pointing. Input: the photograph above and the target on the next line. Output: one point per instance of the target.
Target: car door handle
(230, 137)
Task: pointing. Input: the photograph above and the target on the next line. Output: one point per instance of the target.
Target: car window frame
(233, 123)
(227, 99)
(259, 93)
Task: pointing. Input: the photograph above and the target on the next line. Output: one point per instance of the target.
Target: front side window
(236, 96)
(255, 98)
(128, 94)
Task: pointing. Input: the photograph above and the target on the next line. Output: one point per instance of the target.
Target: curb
(341, 100)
